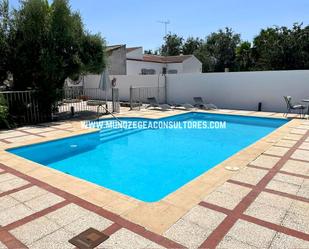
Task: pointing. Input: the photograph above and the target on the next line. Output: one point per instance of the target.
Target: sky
(135, 22)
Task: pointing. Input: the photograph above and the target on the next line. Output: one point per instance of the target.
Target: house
(138, 63)
(117, 59)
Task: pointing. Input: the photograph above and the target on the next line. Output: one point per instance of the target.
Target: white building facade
(144, 64)
(132, 61)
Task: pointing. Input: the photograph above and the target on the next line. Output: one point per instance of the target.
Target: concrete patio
(263, 205)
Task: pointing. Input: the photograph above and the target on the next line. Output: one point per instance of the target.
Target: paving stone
(304, 191)
(233, 189)
(57, 240)
(283, 187)
(125, 239)
(304, 146)
(277, 151)
(283, 241)
(296, 167)
(289, 179)
(28, 193)
(251, 234)
(298, 131)
(13, 214)
(7, 202)
(12, 184)
(299, 207)
(297, 222)
(273, 200)
(303, 126)
(231, 243)
(34, 230)
(301, 155)
(7, 176)
(2, 246)
(295, 137)
(44, 201)
(286, 143)
(266, 212)
(153, 245)
(90, 220)
(265, 161)
(204, 217)
(10, 134)
(22, 139)
(187, 233)
(250, 175)
(67, 214)
(223, 200)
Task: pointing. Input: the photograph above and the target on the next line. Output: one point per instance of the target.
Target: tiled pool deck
(264, 205)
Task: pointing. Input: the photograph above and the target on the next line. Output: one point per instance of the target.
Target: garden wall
(240, 90)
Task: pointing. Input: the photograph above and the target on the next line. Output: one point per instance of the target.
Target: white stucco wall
(241, 90)
(136, 54)
(124, 82)
(135, 67)
(192, 65)
(175, 66)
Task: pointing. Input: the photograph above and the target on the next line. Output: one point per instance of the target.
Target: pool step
(116, 133)
(107, 132)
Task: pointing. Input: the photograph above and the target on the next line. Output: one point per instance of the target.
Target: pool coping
(157, 216)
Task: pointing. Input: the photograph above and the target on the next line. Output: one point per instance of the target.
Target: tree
(191, 45)
(244, 56)
(172, 46)
(281, 48)
(208, 61)
(222, 47)
(4, 47)
(149, 51)
(48, 44)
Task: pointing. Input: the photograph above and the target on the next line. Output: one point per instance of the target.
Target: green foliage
(221, 46)
(172, 45)
(277, 48)
(3, 113)
(4, 47)
(216, 52)
(208, 61)
(47, 44)
(149, 51)
(281, 48)
(244, 56)
(191, 45)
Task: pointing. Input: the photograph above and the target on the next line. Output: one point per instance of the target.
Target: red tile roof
(164, 59)
(132, 49)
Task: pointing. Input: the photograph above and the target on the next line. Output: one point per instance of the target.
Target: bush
(4, 113)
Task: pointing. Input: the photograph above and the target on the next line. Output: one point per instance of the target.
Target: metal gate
(24, 108)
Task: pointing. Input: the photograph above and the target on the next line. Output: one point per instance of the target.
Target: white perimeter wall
(240, 90)
(226, 90)
(124, 82)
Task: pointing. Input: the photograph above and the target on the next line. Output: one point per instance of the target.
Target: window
(148, 71)
(172, 71)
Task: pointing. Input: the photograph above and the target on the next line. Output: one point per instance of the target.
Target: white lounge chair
(186, 106)
(155, 104)
(199, 103)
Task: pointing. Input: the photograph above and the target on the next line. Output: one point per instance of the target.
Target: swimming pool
(148, 164)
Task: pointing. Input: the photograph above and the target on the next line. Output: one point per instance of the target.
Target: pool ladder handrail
(107, 111)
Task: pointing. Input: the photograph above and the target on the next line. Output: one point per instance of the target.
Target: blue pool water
(149, 164)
